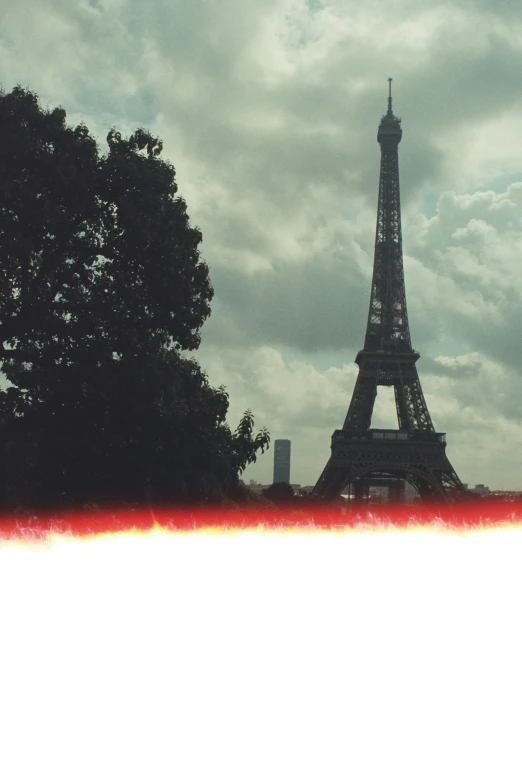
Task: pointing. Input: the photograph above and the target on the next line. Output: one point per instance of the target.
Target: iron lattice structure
(415, 453)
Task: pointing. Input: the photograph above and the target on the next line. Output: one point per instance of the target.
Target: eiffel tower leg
(333, 480)
(359, 414)
(358, 456)
(360, 491)
(412, 410)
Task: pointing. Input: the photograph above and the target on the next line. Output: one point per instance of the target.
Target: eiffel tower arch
(414, 453)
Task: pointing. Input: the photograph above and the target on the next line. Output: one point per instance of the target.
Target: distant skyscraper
(281, 461)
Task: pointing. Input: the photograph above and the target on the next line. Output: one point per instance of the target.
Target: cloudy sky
(269, 111)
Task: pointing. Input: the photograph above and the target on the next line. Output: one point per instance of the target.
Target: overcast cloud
(269, 112)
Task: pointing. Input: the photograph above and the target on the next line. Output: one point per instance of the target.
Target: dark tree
(101, 287)
(279, 493)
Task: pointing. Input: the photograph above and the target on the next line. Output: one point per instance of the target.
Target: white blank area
(257, 658)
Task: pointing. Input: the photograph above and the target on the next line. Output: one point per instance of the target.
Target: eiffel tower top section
(388, 328)
(390, 127)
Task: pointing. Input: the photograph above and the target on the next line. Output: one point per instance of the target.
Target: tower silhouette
(282, 461)
(362, 457)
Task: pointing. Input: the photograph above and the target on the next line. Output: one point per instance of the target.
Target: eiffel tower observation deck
(415, 453)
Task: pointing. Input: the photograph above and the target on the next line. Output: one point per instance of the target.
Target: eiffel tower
(361, 456)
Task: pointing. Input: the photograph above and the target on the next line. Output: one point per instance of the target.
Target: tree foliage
(101, 289)
(280, 493)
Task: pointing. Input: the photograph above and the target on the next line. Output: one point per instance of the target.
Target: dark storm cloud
(317, 305)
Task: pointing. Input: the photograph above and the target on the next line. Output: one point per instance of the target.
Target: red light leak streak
(454, 517)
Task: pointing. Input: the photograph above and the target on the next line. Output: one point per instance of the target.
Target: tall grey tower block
(281, 461)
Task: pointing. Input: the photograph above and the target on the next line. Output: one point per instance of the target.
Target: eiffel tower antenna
(415, 453)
